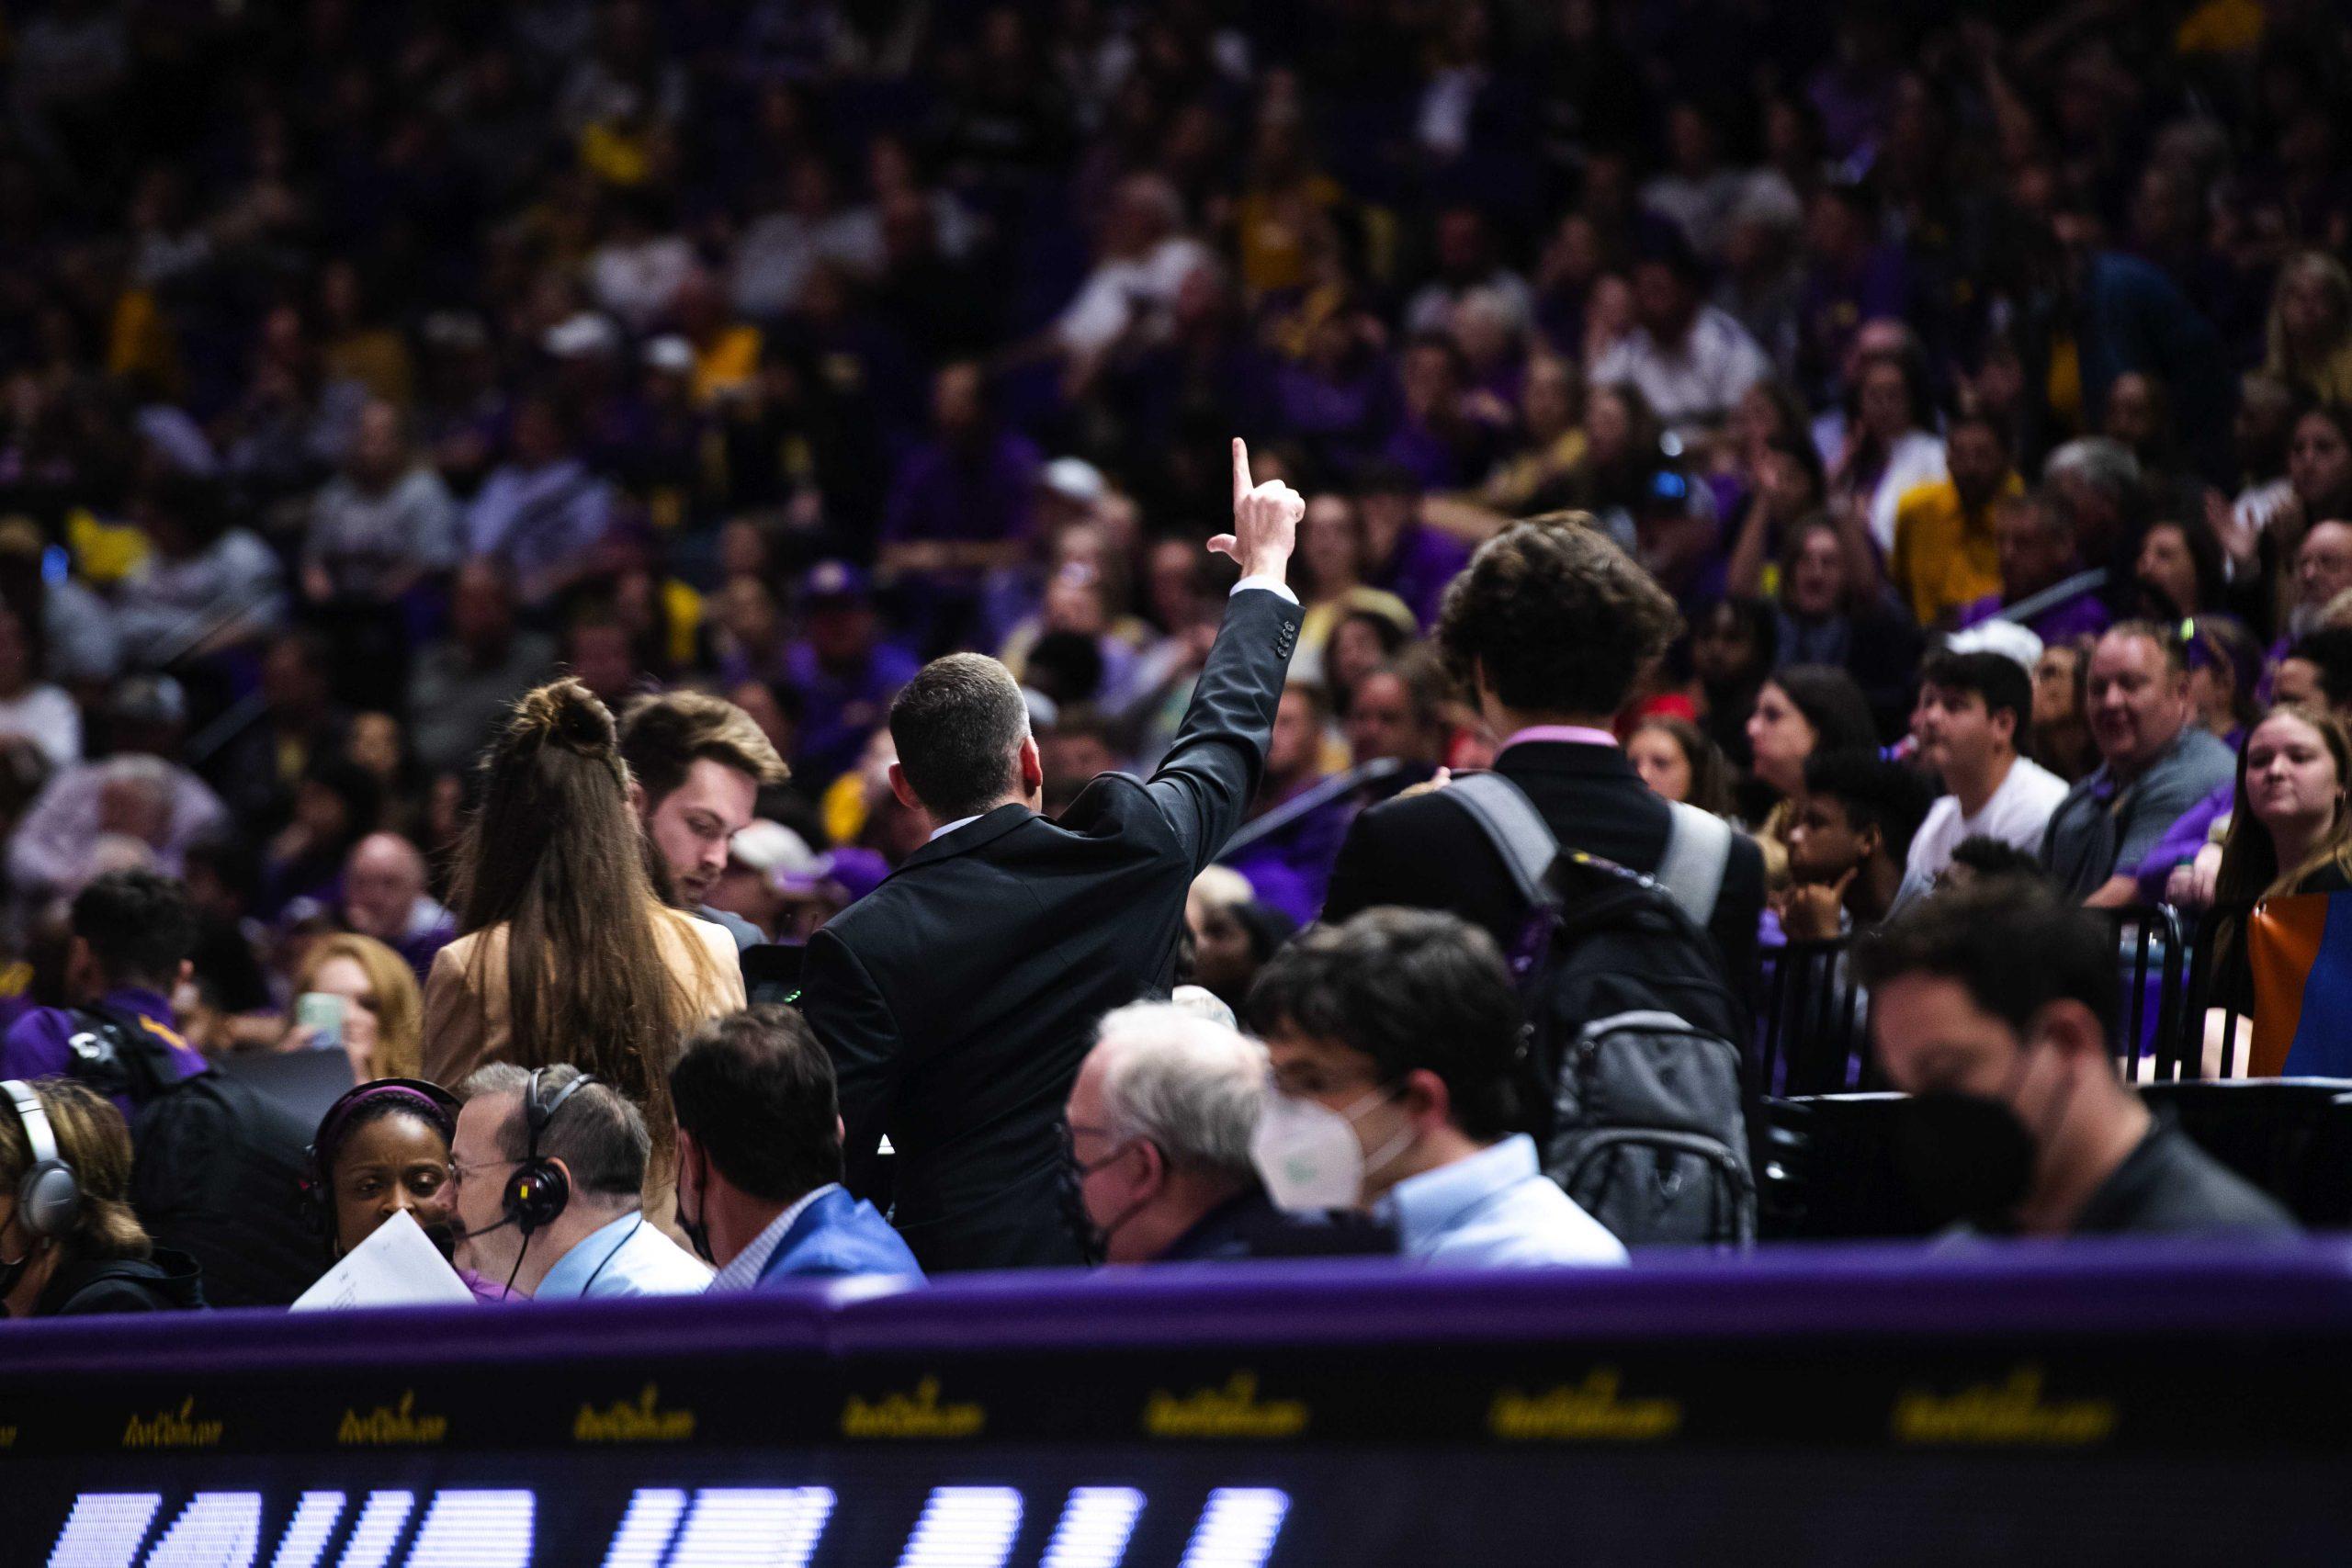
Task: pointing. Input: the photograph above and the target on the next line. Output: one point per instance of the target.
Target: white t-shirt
(2016, 815)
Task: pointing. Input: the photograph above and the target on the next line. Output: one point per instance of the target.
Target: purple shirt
(2082, 615)
(950, 493)
(38, 1045)
(2182, 841)
(1425, 561)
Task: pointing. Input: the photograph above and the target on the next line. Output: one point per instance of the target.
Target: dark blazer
(1427, 854)
(959, 997)
(833, 1236)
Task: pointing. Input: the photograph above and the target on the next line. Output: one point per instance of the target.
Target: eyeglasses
(459, 1172)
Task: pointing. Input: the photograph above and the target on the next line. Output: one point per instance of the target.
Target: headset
(537, 1192)
(48, 1195)
(430, 1100)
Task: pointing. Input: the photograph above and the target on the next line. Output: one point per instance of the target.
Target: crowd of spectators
(474, 482)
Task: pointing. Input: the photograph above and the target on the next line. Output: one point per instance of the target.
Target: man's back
(958, 999)
(1427, 852)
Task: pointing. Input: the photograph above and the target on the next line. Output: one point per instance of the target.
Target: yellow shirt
(1945, 556)
(726, 362)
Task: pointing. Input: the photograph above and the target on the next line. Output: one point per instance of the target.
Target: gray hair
(599, 1134)
(1192, 1088)
(2101, 462)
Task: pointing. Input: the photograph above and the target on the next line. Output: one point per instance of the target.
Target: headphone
(48, 1195)
(537, 1191)
(430, 1100)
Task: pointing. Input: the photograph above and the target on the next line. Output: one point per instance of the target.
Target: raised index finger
(1241, 485)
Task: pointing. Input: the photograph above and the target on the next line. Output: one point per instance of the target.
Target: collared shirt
(749, 1264)
(2105, 827)
(626, 1258)
(1566, 734)
(1496, 1209)
(1267, 584)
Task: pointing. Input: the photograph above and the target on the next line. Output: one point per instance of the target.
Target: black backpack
(216, 1167)
(1634, 1027)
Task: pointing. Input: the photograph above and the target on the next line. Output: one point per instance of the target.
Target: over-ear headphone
(536, 1191)
(48, 1195)
(430, 1100)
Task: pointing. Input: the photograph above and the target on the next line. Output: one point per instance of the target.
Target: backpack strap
(1698, 849)
(113, 1056)
(1515, 827)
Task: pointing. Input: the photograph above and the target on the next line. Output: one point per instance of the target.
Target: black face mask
(1963, 1157)
(698, 1231)
(1069, 1190)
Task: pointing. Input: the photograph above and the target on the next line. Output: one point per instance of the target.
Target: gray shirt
(2104, 829)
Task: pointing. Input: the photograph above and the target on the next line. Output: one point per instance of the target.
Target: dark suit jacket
(834, 1237)
(959, 997)
(1427, 854)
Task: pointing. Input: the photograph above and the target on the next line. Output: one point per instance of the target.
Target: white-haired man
(1160, 1118)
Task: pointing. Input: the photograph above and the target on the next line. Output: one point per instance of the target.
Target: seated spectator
(1162, 1117)
(1891, 447)
(540, 515)
(1679, 762)
(843, 669)
(1404, 554)
(70, 1245)
(760, 1189)
(549, 1166)
(383, 1012)
(1947, 550)
(2040, 565)
(138, 793)
(1972, 709)
(383, 525)
(1548, 629)
(384, 898)
(1802, 711)
(2323, 570)
(1848, 843)
(207, 585)
(30, 705)
(1290, 865)
(697, 765)
(566, 949)
(2286, 831)
(2154, 765)
(1396, 713)
(2062, 726)
(132, 934)
(1836, 611)
(1397, 1089)
(1143, 258)
(463, 685)
(1691, 361)
(960, 505)
(1995, 1008)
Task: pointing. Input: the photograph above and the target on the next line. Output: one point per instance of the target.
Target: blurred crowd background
(363, 363)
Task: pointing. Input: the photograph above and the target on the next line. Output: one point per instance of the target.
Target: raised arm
(1205, 783)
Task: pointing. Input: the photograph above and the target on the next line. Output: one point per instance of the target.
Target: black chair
(2291, 1137)
(1825, 1171)
(1813, 1032)
(2149, 948)
(2209, 992)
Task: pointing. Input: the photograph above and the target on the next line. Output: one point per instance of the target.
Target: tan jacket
(465, 1001)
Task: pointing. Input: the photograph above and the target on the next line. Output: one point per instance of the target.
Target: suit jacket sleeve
(1211, 770)
(853, 1021)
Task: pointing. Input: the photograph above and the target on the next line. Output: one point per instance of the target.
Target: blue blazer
(837, 1234)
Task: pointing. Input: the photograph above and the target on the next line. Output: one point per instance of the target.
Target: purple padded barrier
(2089, 1288)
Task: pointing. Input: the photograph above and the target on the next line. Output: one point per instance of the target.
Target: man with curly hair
(1548, 629)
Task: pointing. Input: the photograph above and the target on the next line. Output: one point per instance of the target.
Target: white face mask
(1307, 1155)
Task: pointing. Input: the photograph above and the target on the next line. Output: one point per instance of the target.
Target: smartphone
(321, 1011)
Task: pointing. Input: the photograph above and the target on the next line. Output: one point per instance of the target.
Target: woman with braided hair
(565, 953)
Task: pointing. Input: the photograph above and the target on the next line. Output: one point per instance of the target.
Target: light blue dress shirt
(628, 1257)
(1495, 1210)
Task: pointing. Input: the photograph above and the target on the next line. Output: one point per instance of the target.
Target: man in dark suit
(760, 1189)
(1549, 627)
(958, 999)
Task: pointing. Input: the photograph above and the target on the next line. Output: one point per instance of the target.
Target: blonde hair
(400, 1006)
(91, 1138)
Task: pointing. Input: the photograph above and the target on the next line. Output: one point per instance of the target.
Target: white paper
(396, 1266)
